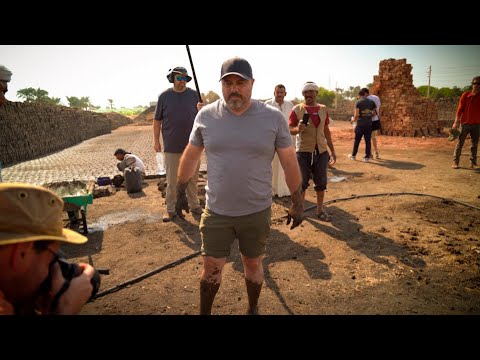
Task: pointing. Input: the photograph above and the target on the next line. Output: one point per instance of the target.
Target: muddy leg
(208, 291)
(210, 282)
(253, 291)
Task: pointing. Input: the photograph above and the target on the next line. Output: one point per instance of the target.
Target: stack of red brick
(403, 112)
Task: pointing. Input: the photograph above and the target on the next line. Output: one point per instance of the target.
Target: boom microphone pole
(194, 76)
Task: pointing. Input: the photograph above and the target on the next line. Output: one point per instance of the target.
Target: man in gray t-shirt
(240, 137)
(174, 116)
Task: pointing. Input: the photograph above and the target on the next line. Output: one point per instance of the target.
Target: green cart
(76, 195)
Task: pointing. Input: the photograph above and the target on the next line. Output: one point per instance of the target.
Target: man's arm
(459, 113)
(157, 128)
(188, 163)
(328, 136)
(293, 178)
(186, 170)
(356, 114)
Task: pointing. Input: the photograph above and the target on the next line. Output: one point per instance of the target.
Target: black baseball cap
(236, 66)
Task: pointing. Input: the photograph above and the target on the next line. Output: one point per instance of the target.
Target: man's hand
(333, 158)
(182, 201)
(200, 105)
(295, 212)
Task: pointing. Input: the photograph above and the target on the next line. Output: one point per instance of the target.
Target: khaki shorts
(219, 231)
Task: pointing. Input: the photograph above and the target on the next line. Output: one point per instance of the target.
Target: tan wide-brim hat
(30, 213)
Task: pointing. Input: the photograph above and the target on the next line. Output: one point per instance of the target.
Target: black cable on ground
(191, 256)
(144, 276)
(353, 197)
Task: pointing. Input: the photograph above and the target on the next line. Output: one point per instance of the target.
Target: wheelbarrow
(76, 196)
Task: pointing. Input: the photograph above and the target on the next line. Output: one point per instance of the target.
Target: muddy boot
(208, 291)
(253, 291)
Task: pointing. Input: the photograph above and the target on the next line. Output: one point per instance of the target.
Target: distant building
(153, 103)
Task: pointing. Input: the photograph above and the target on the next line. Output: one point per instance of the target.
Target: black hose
(144, 276)
(387, 194)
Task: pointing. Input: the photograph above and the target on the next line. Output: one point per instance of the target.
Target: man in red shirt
(310, 121)
(468, 115)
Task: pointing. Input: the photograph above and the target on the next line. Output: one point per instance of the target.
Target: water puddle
(336, 178)
(122, 217)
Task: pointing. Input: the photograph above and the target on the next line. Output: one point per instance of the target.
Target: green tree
(424, 89)
(37, 95)
(352, 92)
(53, 101)
(80, 103)
(74, 102)
(325, 97)
(445, 93)
(111, 103)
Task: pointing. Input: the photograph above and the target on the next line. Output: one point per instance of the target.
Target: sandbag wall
(30, 130)
(403, 112)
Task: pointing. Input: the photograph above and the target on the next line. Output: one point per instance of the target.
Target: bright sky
(134, 75)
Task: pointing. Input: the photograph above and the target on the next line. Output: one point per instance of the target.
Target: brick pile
(31, 130)
(403, 112)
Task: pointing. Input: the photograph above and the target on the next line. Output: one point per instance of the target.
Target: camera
(305, 118)
(72, 270)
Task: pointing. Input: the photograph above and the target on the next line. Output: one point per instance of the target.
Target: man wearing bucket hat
(240, 137)
(173, 119)
(5, 77)
(31, 232)
(310, 121)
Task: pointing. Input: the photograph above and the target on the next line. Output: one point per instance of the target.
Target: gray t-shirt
(239, 153)
(177, 110)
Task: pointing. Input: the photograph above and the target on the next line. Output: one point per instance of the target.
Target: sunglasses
(475, 83)
(181, 78)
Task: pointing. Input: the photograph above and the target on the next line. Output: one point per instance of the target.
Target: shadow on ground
(397, 165)
(373, 245)
(280, 247)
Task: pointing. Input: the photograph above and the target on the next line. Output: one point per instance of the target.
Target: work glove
(182, 201)
(295, 212)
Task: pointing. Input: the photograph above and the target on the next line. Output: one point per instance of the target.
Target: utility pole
(429, 74)
(336, 94)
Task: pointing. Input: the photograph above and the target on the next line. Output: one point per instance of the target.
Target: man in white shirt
(128, 160)
(279, 186)
(375, 121)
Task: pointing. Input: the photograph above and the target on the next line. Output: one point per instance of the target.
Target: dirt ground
(397, 254)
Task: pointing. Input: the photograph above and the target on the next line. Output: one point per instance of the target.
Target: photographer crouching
(33, 277)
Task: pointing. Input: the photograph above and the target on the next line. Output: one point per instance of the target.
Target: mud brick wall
(403, 112)
(117, 120)
(29, 130)
(146, 116)
(447, 108)
(343, 111)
